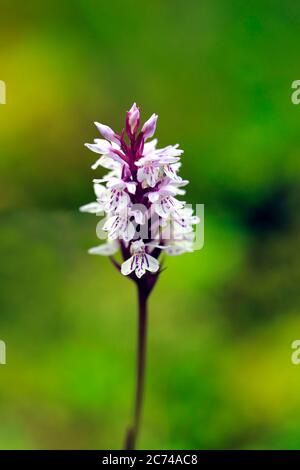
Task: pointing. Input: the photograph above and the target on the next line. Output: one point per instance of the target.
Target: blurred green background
(218, 73)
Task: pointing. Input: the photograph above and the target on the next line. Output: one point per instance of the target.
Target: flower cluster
(138, 196)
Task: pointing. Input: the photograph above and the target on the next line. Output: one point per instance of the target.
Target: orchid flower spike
(139, 197)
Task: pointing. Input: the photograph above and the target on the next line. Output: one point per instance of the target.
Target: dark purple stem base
(132, 433)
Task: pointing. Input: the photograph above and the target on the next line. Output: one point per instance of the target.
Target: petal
(170, 171)
(107, 249)
(99, 189)
(100, 146)
(107, 132)
(144, 160)
(110, 223)
(97, 163)
(169, 151)
(149, 147)
(152, 263)
(139, 217)
(149, 127)
(153, 196)
(140, 265)
(123, 202)
(141, 175)
(114, 181)
(131, 187)
(92, 208)
(129, 232)
(128, 266)
(152, 177)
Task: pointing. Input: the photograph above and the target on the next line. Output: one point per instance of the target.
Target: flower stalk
(132, 434)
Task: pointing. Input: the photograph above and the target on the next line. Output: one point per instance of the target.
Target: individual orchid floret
(163, 197)
(140, 261)
(148, 173)
(117, 194)
(119, 226)
(154, 162)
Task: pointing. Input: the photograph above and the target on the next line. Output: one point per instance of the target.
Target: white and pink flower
(140, 175)
(140, 261)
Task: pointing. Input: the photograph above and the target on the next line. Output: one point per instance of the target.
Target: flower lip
(149, 127)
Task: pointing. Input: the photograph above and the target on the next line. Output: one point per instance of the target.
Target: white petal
(99, 189)
(140, 175)
(167, 160)
(117, 157)
(153, 196)
(92, 208)
(123, 201)
(129, 232)
(152, 264)
(107, 249)
(160, 210)
(109, 224)
(149, 147)
(97, 163)
(107, 162)
(169, 151)
(115, 181)
(100, 146)
(171, 172)
(128, 266)
(139, 217)
(131, 187)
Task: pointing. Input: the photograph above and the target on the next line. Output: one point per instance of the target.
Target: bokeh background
(219, 74)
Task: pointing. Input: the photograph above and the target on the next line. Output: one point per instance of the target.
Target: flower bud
(132, 120)
(107, 132)
(149, 126)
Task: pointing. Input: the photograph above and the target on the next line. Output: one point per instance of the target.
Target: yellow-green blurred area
(218, 73)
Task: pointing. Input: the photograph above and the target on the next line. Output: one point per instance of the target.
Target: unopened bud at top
(132, 120)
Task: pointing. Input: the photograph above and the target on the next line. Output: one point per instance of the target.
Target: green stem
(132, 433)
